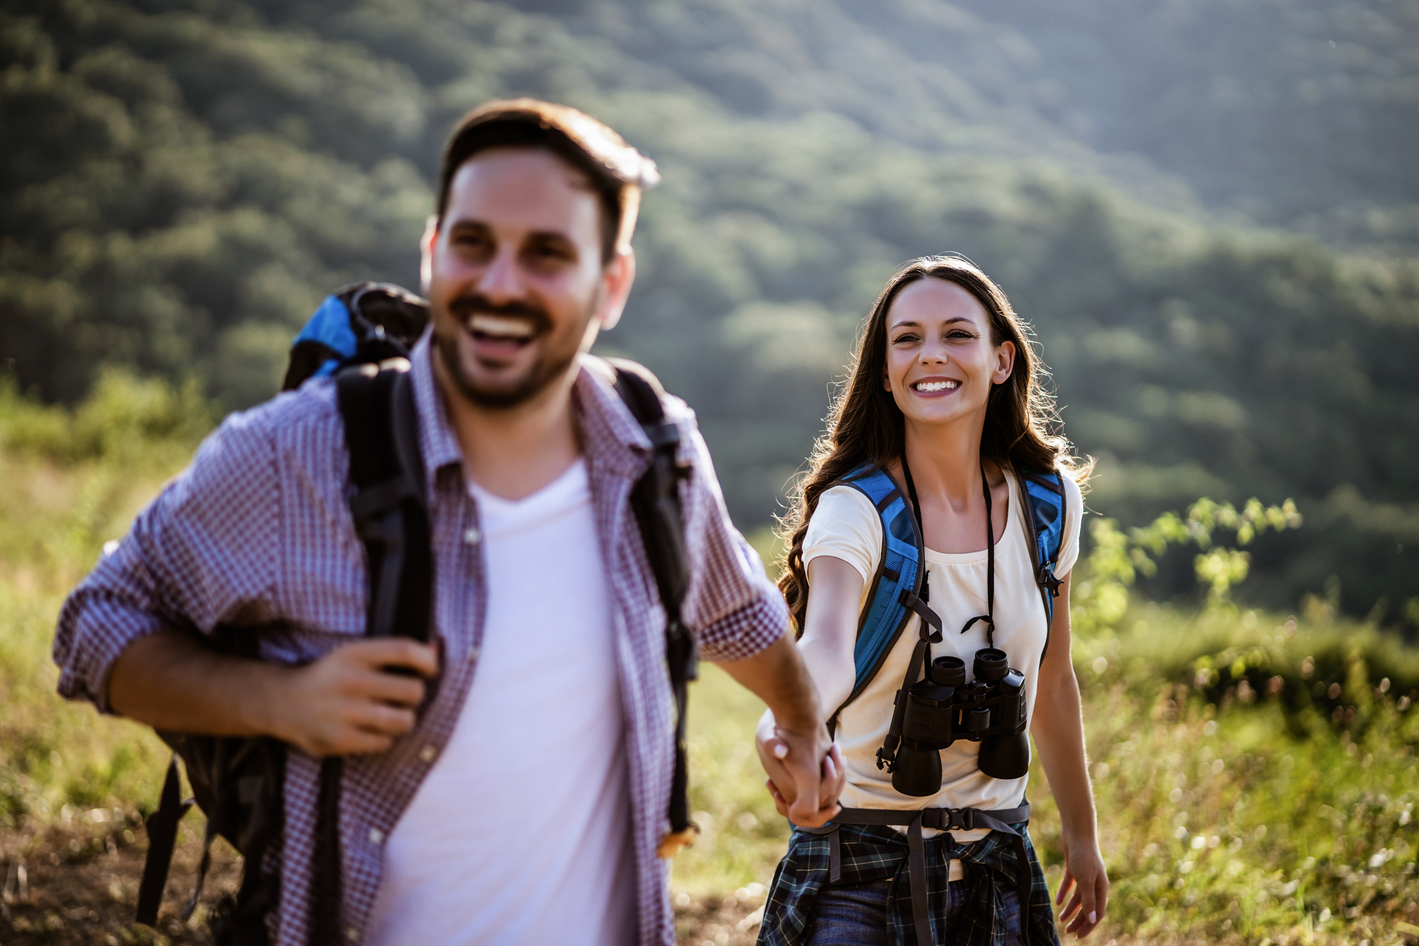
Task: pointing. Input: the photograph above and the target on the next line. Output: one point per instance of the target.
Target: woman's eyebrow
(913, 323)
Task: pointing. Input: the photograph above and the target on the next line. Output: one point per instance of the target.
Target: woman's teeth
(497, 326)
(926, 387)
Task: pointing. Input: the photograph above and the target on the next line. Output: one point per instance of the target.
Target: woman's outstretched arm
(1058, 728)
(829, 633)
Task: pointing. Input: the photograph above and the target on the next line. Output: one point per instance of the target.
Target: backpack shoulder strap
(898, 580)
(391, 519)
(656, 502)
(1044, 498)
(386, 469)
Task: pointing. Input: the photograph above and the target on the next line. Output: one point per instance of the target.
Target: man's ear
(426, 252)
(616, 280)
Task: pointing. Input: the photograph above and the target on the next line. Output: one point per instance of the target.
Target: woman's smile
(935, 386)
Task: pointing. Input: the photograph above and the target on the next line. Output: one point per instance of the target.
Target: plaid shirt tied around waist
(870, 853)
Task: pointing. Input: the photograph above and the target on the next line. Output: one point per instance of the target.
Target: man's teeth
(500, 327)
(928, 386)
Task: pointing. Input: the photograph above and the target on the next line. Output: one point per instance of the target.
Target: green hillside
(188, 178)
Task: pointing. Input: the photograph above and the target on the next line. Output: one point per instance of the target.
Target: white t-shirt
(521, 832)
(847, 526)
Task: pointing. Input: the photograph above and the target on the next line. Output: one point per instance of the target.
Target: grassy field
(1255, 773)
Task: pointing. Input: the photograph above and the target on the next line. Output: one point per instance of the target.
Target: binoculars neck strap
(989, 617)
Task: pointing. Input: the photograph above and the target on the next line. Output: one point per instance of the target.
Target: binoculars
(943, 707)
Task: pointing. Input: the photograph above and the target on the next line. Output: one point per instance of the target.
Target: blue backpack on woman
(902, 569)
(898, 592)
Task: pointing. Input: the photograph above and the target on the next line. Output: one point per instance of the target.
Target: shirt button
(472, 536)
(376, 835)
(352, 934)
(472, 655)
(428, 753)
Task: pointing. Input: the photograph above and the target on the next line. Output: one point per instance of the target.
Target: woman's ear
(1004, 363)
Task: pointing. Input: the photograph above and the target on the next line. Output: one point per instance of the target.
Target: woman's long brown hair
(865, 426)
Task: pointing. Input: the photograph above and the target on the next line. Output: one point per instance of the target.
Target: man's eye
(550, 252)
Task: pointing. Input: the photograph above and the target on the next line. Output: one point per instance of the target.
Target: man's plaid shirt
(257, 531)
(874, 853)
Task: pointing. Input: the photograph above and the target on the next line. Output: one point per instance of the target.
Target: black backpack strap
(162, 837)
(656, 501)
(391, 519)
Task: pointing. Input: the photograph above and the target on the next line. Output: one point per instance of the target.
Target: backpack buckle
(959, 819)
(1047, 579)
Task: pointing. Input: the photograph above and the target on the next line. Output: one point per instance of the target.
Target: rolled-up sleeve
(206, 549)
(733, 608)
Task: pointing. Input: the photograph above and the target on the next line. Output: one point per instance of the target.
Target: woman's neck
(946, 462)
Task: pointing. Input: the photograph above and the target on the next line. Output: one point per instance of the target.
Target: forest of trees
(1207, 209)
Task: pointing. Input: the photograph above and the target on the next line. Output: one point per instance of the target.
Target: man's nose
(502, 280)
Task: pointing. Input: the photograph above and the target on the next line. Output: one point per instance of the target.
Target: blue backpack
(901, 572)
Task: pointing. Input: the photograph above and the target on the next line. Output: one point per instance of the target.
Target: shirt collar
(612, 438)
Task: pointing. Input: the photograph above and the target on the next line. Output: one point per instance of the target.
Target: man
(513, 788)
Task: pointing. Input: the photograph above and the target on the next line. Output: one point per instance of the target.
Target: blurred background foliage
(1207, 208)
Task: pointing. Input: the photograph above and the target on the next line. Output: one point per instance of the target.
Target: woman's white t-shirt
(845, 525)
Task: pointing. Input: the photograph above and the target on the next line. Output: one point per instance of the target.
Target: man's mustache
(465, 306)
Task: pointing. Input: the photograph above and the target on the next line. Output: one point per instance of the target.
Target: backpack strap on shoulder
(656, 502)
(391, 519)
(897, 586)
(387, 471)
(1044, 498)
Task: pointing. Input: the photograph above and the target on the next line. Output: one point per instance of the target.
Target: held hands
(348, 702)
(806, 771)
(1084, 871)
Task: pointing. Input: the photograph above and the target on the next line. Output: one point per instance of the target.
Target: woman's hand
(1084, 871)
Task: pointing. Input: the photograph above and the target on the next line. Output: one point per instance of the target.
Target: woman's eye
(903, 338)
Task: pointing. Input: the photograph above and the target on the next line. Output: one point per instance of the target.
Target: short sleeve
(1073, 517)
(846, 526)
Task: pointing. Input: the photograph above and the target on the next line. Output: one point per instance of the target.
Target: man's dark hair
(617, 172)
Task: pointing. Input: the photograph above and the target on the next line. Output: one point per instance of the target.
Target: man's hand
(792, 739)
(348, 702)
(806, 772)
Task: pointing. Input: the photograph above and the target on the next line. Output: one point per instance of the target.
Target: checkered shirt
(872, 853)
(257, 531)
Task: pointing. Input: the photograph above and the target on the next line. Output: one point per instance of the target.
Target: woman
(944, 421)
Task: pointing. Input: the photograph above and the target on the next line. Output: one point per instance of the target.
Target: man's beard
(542, 373)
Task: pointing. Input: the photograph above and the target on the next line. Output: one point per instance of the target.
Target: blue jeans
(857, 915)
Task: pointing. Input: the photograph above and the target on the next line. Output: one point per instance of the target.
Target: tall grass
(73, 480)
(1255, 773)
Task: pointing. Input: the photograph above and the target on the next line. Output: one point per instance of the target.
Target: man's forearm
(170, 681)
(346, 702)
(778, 676)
